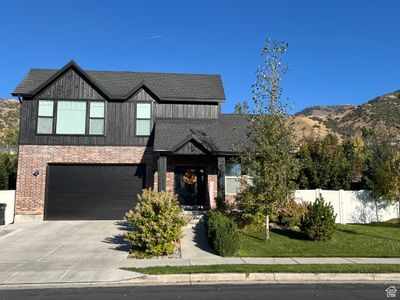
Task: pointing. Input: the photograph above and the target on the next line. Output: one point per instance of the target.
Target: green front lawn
(372, 240)
(348, 268)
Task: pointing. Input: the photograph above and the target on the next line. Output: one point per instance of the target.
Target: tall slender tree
(267, 156)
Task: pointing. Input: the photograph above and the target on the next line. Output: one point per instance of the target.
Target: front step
(195, 216)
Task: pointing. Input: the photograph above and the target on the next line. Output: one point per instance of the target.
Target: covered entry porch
(195, 158)
(197, 180)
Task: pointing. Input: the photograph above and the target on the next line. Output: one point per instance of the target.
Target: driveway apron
(64, 251)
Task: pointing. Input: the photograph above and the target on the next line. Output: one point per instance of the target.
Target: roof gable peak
(71, 65)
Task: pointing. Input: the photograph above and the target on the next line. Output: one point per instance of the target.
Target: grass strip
(331, 268)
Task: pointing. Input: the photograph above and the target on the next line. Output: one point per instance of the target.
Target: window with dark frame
(96, 118)
(45, 117)
(63, 117)
(143, 119)
(71, 117)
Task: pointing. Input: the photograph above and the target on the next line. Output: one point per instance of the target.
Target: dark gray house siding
(70, 86)
(119, 117)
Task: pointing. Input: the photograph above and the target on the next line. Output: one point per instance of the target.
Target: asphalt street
(209, 292)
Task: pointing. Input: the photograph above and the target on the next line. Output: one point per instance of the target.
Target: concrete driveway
(64, 251)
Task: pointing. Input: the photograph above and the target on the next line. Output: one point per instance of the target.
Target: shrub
(319, 221)
(8, 171)
(221, 204)
(157, 222)
(291, 214)
(222, 233)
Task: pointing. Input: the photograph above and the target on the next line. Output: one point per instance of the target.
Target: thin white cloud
(158, 36)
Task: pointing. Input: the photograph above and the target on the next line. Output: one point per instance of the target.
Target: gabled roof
(222, 135)
(121, 85)
(192, 140)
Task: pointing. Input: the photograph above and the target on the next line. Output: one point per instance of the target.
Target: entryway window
(233, 175)
(143, 119)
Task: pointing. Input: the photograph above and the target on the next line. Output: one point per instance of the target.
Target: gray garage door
(92, 192)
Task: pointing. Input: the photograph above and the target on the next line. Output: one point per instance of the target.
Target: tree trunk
(267, 228)
(376, 211)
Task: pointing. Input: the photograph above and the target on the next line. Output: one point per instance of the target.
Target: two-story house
(90, 141)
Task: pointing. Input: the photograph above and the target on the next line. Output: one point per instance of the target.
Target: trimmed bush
(222, 233)
(157, 222)
(291, 214)
(319, 221)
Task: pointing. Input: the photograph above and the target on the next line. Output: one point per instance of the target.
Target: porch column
(162, 173)
(221, 177)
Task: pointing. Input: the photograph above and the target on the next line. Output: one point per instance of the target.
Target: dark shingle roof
(218, 135)
(167, 86)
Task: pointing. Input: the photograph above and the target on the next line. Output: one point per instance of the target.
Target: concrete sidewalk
(217, 260)
(95, 251)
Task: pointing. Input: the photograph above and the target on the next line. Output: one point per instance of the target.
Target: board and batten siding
(119, 128)
(190, 111)
(179, 110)
(70, 86)
(119, 118)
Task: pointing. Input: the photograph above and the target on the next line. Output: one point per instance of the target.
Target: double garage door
(92, 192)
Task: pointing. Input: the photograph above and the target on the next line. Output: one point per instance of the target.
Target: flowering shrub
(157, 222)
(290, 215)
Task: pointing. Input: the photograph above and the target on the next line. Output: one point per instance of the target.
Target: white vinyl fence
(8, 197)
(352, 206)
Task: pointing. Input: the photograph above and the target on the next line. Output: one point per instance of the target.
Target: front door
(190, 185)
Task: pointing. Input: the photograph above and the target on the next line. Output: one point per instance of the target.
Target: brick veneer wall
(30, 192)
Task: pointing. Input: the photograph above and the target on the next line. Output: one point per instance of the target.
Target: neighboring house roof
(121, 85)
(9, 149)
(223, 135)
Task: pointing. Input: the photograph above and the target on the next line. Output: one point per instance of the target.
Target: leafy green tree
(329, 164)
(382, 173)
(11, 136)
(3, 178)
(267, 155)
(8, 171)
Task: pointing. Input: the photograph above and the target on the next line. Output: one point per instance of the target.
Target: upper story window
(143, 119)
(96, 118)
(233, 181)
(71, 117)
(45, 117)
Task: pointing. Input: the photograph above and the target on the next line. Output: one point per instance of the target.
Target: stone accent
(170, 181)
(30, 192)
(18, 219)
(212, 189)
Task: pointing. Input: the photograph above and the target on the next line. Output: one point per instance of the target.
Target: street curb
(225, 278)
(266, 278)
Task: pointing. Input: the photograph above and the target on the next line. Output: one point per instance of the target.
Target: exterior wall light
(36, 173)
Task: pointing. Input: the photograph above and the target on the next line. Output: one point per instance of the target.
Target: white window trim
(233, 177)
(144, 119)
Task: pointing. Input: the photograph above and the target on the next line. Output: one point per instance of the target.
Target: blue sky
(339, 51)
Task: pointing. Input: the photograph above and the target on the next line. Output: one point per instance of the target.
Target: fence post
(341, 208)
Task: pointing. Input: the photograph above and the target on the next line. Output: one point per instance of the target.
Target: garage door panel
(92, 192)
